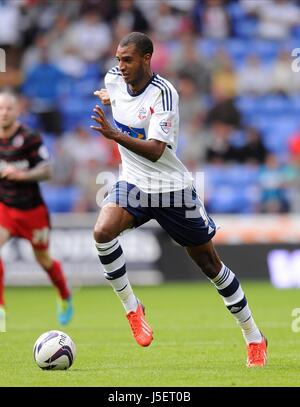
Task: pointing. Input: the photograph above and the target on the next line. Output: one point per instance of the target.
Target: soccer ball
(54, 350)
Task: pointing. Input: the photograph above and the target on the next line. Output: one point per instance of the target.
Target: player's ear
(147, 58)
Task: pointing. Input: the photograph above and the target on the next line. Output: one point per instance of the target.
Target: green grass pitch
(196, 341)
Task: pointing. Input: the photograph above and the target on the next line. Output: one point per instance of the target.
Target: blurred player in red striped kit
(23, 213)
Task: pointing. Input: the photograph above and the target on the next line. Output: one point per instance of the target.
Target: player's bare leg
(4, 237)
(55, 273)
(228, 286)
(112, 221)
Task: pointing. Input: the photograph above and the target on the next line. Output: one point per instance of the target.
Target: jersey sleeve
(110, 80)
(37, 151)
(164, 119)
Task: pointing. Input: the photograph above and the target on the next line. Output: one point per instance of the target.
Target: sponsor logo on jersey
(166, 126)
(18, 141)
(20, 164)
(134, 132)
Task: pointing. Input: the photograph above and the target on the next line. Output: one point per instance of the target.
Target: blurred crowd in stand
(234, 64)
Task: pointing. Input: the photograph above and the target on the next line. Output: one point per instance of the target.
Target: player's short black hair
(142, 42)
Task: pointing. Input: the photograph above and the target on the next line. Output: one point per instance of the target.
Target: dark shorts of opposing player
(30, 224)
(180, 213)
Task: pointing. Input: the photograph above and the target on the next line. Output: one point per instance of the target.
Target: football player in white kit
(154, 184)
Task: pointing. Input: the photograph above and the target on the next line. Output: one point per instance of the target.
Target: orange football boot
(257, 353)
(139, 326)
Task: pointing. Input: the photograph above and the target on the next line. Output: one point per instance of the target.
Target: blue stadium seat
(241, 176)
(244, 26)
(277, 133)
(50, 141)
(208, 47)
(296, 32)
(236, 47)
(60, 199)
(233, 188)
(295, 103)
(228, 199)
(86, 86)
(247, 104)
(274, 104)
(267, 50)
(93, 70)
(266, 104)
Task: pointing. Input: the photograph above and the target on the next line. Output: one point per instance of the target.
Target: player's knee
(103, 234)
(44, 260)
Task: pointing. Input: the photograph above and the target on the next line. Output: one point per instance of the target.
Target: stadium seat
(277, 133)
(267, 50)
(247, 104)
(234, 188)
(60, 199)
(208, 47)
(244, 26)
(296, 32)
(50, 141)
(274, 104)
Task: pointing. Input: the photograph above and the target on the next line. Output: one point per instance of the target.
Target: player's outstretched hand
(103, 96)
(104, 127)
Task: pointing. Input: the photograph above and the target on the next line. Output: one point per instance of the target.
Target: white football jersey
(152, 113)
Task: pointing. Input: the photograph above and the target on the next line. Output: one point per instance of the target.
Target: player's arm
(39, 169)
(41, 172)
(150, 149)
